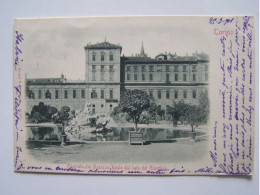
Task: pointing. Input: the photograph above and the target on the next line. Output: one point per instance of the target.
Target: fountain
(86, 122)
(74, 131)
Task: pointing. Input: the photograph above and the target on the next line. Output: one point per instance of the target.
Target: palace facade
(167, 78)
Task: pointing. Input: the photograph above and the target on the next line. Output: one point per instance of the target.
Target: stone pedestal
(193, 135)
(136, 138)
(63, 140)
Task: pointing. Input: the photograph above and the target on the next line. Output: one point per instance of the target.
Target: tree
(160, 112)
(204, 107)
(152, 111)
(193, 116)
(176, 111)
(148, 116)
(42, 113)
(134, 102)
(62, 117)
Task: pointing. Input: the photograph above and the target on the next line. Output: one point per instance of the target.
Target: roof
(137, 58)
(176, 60)
(44, 80)
(103, 45)
(185, 58)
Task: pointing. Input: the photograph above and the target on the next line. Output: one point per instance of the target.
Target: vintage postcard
(144, 95)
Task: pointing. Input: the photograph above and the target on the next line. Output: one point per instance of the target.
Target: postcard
(139, 95)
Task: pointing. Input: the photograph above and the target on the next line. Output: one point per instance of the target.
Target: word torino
(222, 32)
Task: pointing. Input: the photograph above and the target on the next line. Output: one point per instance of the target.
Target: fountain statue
(85, 122)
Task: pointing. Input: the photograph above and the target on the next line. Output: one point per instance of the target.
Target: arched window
(48, 94)
(31, 94)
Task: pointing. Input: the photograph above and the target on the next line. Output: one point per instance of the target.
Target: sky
(56, 45)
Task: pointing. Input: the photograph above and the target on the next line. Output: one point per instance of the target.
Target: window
(184, 94)
(111, 76)
(102, 105)
(159, 107)
(159, 94)
(167, 94)
(184, 77)
(48, 94)
(136, 68)
(66, 94)
(93, 72)
(128, 68)
(31, 94)
(176, 77)
(167, 68)
(128, 77)
(111, 57)
(194, 68)
(151, 93)
(93, 56)
(206, 67)
(176, 94)
(194, 77)
(176, 68)
(111, 71)
(206, 77)
(111, 94)
(151, 68)
(82, 93)
(102, 69)
(151, 77)
(194, 94)
(93, 108)
(39, 94)
(102, 72)
(167, 78)
(143, 68)
(74, 93)
(102, 56)
(143, 77)
(111, 68)
(93, 94)
(159, 68)
(184, 68)
(56, 94)
(102, 93)
(135, 77)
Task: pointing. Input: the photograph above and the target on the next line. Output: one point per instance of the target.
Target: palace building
(167, 78)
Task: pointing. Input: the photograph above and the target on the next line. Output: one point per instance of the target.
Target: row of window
(102, 68)
(102, 56)
(159, 68)
(151, 77)
(57, 95)
(101, 106)
(102, 76)
(175, 94)
(94, 94)
(48, 94)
